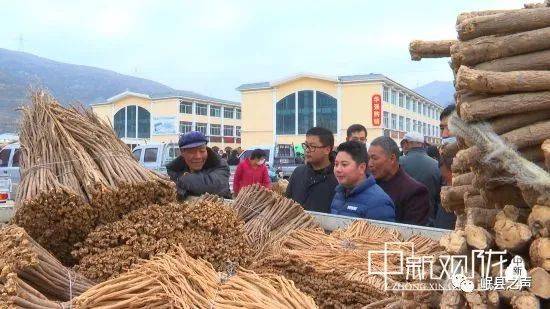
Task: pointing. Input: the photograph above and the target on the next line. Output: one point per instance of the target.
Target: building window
(201, 127)
(394, 97)
(132, 121)
(305, 111)
(228, 112)
(238, 113)
(285, 115)
(201, 109)
(386, 94)
(215, 111)
(401, 100)
(408, 124)
(327, 111)
(227, 130)
(415, 106)
(424, 129)
(424, 109)
(185, 127)
(414, 126)
(401, 123)
(186, 107)
(409, 103)
(238, 131)
(386, 120)
(393, 122)
(215, 129)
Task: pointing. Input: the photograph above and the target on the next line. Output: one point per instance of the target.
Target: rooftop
(184, 95)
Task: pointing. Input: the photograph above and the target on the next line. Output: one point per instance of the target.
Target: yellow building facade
(282, 111)
(143, 119)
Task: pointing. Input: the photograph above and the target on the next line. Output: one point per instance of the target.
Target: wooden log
(512, 236)
(478, 237)
(467, 15)
(539, 61)
(507, 123)
(539, 221)
(540, 284)
(502, 82)
(463, 179)
(531, 135)
(525, 300)
(466, 159)
(505, 105)
(498, 197)
(454, 242)
(430, 49)
(475, 201)
(539, 252)
(503, 23)
(449, 150)
(494, 47)
(461, 221)
(452, 300)
(546, 150)
(532, 153)
(453, 197)
(513, 213)
(481, 217)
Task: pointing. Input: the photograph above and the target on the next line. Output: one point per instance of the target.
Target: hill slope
(441, 92)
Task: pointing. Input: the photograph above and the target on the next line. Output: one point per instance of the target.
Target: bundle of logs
(205, 228)
(269, 217)
(76, 174)
(501, 62)
(337, 269)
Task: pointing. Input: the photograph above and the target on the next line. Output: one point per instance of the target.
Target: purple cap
(192, 139)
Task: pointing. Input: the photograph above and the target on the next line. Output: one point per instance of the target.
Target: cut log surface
(479, 238)
(505, 105)
(489, 48)
(525, 300)
(512, 236)
(539, 221)
(546, 150)
(503, 23)
(538, 61)
(502, 82)
(540, 284)
(454, 242)
(481, 217)
(508, 123)
(430, 49)
(539, 252)
(463, 179)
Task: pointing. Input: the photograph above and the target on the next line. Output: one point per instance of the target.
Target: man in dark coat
(198, 170)
(410, 197)
(312, 184)
(422, 168)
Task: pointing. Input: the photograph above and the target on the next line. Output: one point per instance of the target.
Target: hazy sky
(212, 47)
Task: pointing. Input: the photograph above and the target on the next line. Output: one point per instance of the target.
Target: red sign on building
(376, 110)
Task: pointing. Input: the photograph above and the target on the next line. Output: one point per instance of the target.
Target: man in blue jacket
(358, 195)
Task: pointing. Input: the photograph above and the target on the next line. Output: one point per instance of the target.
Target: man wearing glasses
(312, 184)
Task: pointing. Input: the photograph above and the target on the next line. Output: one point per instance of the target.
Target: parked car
(9, 165)
(280, 157)
(156, 156)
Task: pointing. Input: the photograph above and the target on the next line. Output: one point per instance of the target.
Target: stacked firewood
(76, 174)
(501, 186)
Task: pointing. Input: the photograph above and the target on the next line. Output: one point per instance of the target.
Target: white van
(156, 156)
(9, 165)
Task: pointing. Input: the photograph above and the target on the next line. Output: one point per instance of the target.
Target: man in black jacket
(198, 170)
(312, 185)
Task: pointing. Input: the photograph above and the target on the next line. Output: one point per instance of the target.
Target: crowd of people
(372, 179)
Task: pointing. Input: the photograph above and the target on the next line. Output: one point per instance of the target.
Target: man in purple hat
(198, 169)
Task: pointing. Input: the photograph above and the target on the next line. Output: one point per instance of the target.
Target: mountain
(67, 82)
(441, 92)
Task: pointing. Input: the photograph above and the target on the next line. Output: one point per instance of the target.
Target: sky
(212, 47)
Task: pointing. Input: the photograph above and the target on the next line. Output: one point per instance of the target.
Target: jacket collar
(417, 150)
(364, 185)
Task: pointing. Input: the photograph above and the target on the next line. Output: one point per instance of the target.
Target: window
(414, 126)
(186, 107)
(137, 154)
(228, 112)
(201, 109)
(401, 123)
(409, 103)
(201, 127)
(393, 121)
(394, 97)
(132, 121)
(401, 100)
(238, 113)
(305, 111)
(386, 94)
(238, 131)
(15, 159)
(386, 120)
(185, 127)
(424, 109)
(408, 124)
(150, 155)
(215, 130)
(285, 115)
(5, 157)
(327, 112)
(215, 111)
(415, 106)
(227, 130)
(424, 129)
